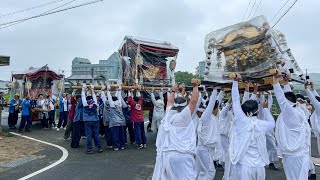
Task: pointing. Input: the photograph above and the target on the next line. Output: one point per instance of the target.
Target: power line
(49, 13)
(285, 13)
(40, 14)
(252, 8)
(279, 10)
(246, 10)
(31, 8)
(257, 8)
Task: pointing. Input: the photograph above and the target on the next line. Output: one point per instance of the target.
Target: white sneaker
(64, 128)
(144, 145)
(116, 149)
(58, 129)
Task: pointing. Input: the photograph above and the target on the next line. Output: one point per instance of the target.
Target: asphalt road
(131, 163)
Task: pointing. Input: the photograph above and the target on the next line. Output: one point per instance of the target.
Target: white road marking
(63, 157)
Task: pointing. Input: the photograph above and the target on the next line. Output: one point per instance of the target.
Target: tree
(184, 77)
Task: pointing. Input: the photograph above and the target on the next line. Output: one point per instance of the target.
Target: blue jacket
(78, 112)
(61, 104)
(26, 107)
(126, 113)
(90, 113)
(12, 102)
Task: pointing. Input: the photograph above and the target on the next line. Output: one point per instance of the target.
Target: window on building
(84, 81)
(98, 81)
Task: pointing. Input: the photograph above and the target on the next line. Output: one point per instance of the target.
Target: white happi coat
(176, 147)
(248, 141)
(270, 135)
(158, 110)
(315, 117)
(293, 137)
(208, 138)
(225, 125)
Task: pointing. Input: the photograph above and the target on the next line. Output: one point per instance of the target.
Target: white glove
(84, 87)
(108, 87)
(119, 88)
(161, 89)
(103, 88)
(73, 92)
(92, 87)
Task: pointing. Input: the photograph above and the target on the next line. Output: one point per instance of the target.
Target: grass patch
(5, 134)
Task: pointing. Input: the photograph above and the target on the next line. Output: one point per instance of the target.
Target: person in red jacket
(73, 101)
(136, 117)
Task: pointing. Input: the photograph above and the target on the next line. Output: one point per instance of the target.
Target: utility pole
(92, 74)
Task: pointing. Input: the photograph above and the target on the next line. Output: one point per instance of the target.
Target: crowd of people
(196, 131)
(89, 116)
(200, 131)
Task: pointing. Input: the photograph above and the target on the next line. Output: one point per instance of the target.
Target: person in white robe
(226, 121)
(315, 117)
(207, 140)
(248, 149)
(303, 106)
(176, 140)
(292, 134)
(246, 94)
(270, 136)
(158, 111)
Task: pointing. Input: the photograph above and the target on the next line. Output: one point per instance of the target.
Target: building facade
(84, 72)
(201, 67)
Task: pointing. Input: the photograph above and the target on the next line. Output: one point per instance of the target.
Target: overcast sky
(96, 31)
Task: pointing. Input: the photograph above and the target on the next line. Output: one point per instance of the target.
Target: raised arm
(260, 112)
(83, 96)
(270, 101)
(286, 109)
(172, 96)
(207, 113)
(270, 124)
(220, 96)
(225, 109)
(286, 79)
(153, 99)
(194, 97)
(246, 94)
(315, 93)
(161, 94)
(94, 97)
(103, 94)
(198, 105)
(255, 91)
(237, 110)
(110, 97)
(120, 99)
(314, 101)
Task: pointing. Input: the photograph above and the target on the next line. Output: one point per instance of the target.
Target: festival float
(251, 48)
(37, 81)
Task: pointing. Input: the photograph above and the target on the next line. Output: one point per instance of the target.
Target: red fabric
(169, 51)
(136, 114)
(73, 107)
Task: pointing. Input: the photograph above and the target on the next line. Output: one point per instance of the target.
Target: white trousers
(271, 147)
(179, 166)
(204, 164)
(318, 142)
(250, 173)
(296, 167)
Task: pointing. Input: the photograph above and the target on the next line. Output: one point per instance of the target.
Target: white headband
(180, 105)
(201, 109)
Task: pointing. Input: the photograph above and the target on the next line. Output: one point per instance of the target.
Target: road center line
(63, 157)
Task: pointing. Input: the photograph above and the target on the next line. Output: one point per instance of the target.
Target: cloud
(96, 31)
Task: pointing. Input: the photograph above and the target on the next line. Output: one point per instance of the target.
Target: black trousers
(12, 119)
